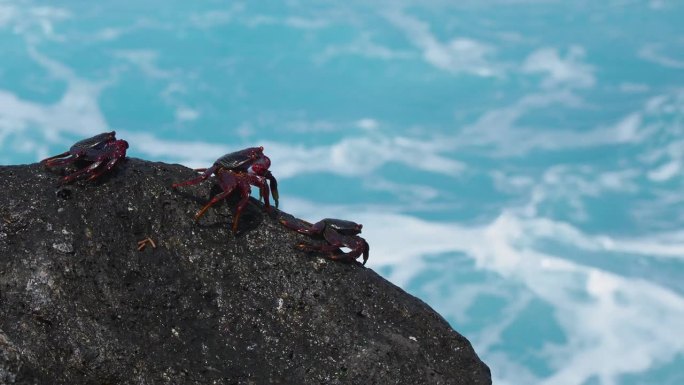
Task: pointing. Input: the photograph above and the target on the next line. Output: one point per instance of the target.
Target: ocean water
(517, 164)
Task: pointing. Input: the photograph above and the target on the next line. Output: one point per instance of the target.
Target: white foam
(213, 18)
(145, 60)
(461, 55)
(368, 124)
(350, 156)
(33, 23)
(297, 22)
(499, 130)
(652, 53)
(76, 114)
(108, 34)
(186, 114)
(362, 46)
(7, 14)
(665, 172)
(568, 71)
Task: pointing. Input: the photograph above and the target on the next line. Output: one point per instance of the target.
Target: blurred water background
(517, 164)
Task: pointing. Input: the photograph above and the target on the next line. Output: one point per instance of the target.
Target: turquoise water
(516, 164)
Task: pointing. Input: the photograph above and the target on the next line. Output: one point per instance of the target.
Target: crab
(104, 151)
(239, 170)
(336, 232)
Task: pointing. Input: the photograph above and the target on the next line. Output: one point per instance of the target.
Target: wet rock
(79, 303)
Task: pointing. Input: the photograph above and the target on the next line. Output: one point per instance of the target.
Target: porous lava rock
(80, 304)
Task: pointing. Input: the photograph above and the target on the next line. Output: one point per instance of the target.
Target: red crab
(337, 232)
(104, 151)
(239, 170)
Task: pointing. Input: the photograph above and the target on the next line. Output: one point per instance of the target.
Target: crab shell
(242, 160)
(93, 142)
(343, 227)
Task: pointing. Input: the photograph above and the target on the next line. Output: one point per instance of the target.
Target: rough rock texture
(80, 304)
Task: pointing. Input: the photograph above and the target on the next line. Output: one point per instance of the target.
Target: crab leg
(260, 182)
(356, 244)
(351, 256)
(274, 187)
(228, 183)
(263, 192)
(361, 248)
(304, 227)
(244, 191)
(305, 246)
(52, 162)
(212, 202)
(52, 158)
(207, 173)
(82, 171)
(110, 165)
(339, 256)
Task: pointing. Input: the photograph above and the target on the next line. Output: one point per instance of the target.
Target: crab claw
(273, 184)
(365, 250)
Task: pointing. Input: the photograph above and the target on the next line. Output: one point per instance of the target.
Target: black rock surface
(79, 304)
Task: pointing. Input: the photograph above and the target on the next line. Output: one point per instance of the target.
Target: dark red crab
(239, 170)
(337, 232)
(104, 151)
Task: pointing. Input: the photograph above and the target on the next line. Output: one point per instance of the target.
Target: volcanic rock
(80, 304)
